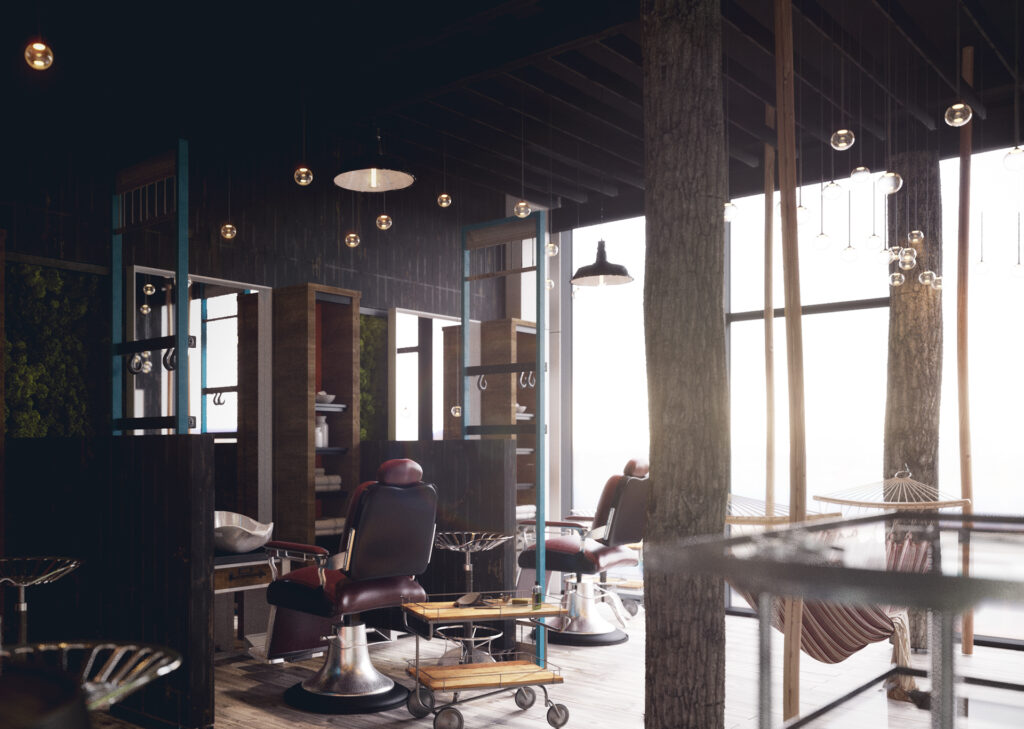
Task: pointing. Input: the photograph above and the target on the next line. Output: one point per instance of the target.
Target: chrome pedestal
(584, 625)
(347, 683)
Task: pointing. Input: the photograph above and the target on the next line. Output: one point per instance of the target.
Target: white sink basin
(238, 533)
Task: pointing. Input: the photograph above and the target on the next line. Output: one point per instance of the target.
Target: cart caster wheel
(525, 696)
(558, 715)
(632, 607)
(420, 702)
(448, 718)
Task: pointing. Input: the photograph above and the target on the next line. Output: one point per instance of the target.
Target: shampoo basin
(238, 533)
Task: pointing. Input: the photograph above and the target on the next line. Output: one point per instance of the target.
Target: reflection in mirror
(415, 375)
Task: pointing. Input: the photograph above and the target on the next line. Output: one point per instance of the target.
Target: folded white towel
(327, 480)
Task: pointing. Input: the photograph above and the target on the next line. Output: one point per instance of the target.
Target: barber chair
(389, 534)
(619, 521)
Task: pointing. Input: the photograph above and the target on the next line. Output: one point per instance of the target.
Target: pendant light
(38, 55)
(1014, 159)
(959, 113)
(384, 221)
(444, 200)
(522, 208)
(375, 173)
(303, 176)
(227, 230)
(601, 272)
(849, 254)
(352, 237)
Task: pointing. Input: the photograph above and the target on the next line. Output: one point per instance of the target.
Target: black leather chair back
(390, 529)
(629, 517)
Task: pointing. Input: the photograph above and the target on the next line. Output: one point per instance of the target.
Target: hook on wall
(481, 382)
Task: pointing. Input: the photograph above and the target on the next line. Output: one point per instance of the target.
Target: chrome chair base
(584, 625)
(347, 683)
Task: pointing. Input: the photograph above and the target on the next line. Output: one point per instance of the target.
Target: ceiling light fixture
(522, 208)
(1014, 159)
(375, 173)
(303, 176)
(444, 200)
(601, 272)
(38, 55)
(959, 113)
(227, 230)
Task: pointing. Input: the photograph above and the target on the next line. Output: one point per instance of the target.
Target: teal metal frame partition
(477, 237)
(180, 340)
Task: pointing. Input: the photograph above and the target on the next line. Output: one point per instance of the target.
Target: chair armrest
(296, 551)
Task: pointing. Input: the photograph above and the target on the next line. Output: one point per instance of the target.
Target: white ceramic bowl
(238, 533)
(323, 397)
(520, 408)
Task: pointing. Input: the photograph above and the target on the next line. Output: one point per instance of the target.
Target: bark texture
(686, 365)
(915, 338)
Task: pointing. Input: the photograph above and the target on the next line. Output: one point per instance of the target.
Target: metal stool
(25, 572)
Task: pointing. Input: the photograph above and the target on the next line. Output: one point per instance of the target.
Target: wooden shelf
(316, 348)
(484, 675)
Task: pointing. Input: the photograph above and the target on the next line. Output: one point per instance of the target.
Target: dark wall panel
(137, 511)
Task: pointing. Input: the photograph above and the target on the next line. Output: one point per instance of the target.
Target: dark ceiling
(543, 96)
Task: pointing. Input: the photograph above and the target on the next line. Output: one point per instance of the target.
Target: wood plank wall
(138, 512)
(475, 481)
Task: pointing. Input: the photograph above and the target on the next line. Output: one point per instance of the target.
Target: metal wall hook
(135, 363)
(531, 380)
(170, 359)
(522, 380)
(481, 382)
(218, 398)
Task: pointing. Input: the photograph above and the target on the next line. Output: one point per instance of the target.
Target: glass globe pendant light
(456, 411)
(860, 174)
(730, 211)
(38, 55)
(821, 240)
(849, 254)
(890, 182)
(352, 240)
(915, 237)
(926, 278)
(303, 176)
(841, 140)
(1014, 159)
(444, 200)
(937, 283)
(896, 278)
(384, 221)
(522, 209)
(551, 248)
(958, 113)
(908, 258)
(227, 230)
(832, 191)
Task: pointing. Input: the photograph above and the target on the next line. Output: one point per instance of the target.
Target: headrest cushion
(400, 472)
(637, 467)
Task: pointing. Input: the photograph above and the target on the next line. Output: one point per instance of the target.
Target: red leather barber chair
(620, 520)
(387, 542)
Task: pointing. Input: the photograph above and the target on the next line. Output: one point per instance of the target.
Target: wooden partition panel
(475, 481)
(138, 513)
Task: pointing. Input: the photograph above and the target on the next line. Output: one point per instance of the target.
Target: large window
(609, 363)
(845, 350)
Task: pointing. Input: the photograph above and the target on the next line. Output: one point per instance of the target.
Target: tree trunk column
(685, 176)
(915, 338)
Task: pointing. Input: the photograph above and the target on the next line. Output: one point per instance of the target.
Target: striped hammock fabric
(832, 632)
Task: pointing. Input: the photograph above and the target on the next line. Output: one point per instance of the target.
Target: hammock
(832, 632)
(900, 492)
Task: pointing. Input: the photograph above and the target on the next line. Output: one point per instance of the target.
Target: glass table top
(916, 559)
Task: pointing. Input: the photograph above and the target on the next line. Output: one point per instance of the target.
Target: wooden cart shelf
(504, 674)
(443, 612)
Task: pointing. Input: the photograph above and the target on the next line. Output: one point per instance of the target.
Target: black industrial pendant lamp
(377, 173)
(600, 272)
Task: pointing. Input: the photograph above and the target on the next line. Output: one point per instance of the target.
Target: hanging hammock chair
(832, 632)
(901, 492)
